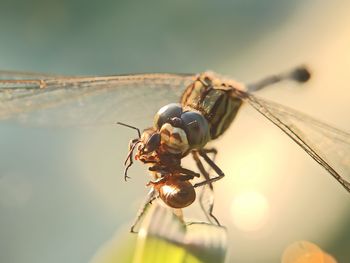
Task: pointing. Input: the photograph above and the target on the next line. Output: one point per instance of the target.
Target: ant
(172, 182)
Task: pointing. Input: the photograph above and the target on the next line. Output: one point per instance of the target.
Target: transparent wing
(60, 101)
(12, 75)
(328, 146)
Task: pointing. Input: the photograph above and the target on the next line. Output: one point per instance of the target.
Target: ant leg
(151, 196)
(181, 170)
(208, 212)
(188, 172)
(132, 145)
(149, 161)
(128, 161)
(184, 177)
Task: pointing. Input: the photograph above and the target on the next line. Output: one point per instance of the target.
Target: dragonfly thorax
(215, 99)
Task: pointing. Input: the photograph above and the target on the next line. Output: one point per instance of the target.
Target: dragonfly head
(181, 130)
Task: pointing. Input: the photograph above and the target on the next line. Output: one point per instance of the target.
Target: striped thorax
(215, 100)
(208, 107)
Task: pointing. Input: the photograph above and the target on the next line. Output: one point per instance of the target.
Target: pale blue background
(46, 213)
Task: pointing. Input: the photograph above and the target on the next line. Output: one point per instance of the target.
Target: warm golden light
(250, 211)
(305, 252)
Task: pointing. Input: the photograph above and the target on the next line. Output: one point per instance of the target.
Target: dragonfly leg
(200, 164)
(189, 173)
(211, 163)
(214, 151)
(207, 211)
(151, 196)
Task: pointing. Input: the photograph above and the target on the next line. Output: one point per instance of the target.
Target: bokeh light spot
(250, 211)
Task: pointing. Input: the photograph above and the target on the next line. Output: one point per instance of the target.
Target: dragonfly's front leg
(218, 171)
(200, 165)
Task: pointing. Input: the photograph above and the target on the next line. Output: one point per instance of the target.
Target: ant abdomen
(175, 192)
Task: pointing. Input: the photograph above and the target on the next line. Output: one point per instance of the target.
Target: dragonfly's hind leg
(151, 196)
(208, 211)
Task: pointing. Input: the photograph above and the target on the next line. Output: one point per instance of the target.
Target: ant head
(152, 143)
(147, 145)
(148, 142)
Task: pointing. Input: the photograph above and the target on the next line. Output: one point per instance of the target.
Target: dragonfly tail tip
(301, 74)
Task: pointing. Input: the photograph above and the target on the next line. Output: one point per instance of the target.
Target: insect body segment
(175, 190)
(214, 99)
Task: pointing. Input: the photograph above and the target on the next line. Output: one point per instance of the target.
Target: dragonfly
(101, 100)
(208, 107)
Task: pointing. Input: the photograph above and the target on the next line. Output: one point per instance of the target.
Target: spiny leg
(151, 196)
(211, 150)
(208, 212)
(201, 168)
(200, 165)
(217, 170)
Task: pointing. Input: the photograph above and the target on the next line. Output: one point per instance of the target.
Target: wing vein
(291, 131)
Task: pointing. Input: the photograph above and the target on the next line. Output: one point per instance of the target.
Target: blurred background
(62, 195)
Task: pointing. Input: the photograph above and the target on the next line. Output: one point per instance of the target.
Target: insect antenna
(128, 161)
(131, 127)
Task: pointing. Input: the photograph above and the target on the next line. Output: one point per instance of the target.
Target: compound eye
(174, 139)
(196, 128)
(153, 143)
(166, 113)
